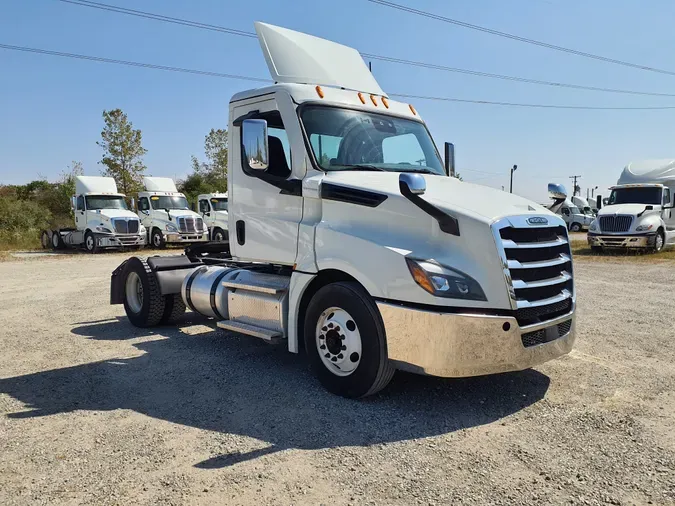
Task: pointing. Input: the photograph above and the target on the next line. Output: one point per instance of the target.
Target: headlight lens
(104, 230)
(643, 228)
(171, 227)
(594, 225)
(443, 281)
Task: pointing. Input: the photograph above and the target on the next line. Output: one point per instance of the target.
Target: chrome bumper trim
(621, 241)
(460, 345)
(187, 237)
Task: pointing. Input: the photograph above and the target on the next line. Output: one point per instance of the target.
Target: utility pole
(513, 169)
(574, 188)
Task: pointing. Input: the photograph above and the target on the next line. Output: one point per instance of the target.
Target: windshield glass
(574, 210)
(344, 139)
(95, 202)
(219, 204)
(167, 202)
(636, 195)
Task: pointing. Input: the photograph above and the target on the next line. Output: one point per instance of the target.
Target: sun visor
(295, 57)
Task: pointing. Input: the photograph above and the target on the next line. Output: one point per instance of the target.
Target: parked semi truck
(362, 250)
(213, 209)
(102, 219)
(166, 215)
(639, 210)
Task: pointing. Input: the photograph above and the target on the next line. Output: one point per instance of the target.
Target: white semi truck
(102, 219)
(362, 250)
(639, 210)
(166, 215)
(213, 209)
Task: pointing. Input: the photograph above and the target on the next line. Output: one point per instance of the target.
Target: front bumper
(173, 237)
(460, 345)
(622, 241)
(119, 241)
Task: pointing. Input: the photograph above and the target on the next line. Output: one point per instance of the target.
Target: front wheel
(90, 243)
(219, 235)
(157, 239)
(346, 342)
(575, 227)
(659, 241)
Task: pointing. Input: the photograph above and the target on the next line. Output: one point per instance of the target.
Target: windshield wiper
(362, 167)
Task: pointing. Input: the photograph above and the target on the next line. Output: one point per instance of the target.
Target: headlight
(643, 228)
(104, 230)
(594, 225)
(443, 281)
(171, 227)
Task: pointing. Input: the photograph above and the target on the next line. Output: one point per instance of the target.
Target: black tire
(90, 243)
(151, 304)
(57, 240)
(219, 235)
(659, 241)
(374, 371)
(575, 227)
(45, 240)
(174, 308)
(596, 249)
(157, 239)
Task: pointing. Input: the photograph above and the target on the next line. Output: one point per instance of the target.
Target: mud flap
(117, 284)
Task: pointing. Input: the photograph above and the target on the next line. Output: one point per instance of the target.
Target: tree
(209, 176)
(122, 151)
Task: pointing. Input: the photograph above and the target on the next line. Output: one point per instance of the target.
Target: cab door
(207, 213)
(144, 213)
(265, 206)
(668, 214)
(80, 213)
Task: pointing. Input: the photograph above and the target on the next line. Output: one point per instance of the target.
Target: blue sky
(51, 107)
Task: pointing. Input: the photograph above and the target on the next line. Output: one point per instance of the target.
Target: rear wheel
(346, 342)
(143, 301)
(57, 240)
(44, 240)
(174, 307)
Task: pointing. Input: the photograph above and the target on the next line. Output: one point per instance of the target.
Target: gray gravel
(95, 411)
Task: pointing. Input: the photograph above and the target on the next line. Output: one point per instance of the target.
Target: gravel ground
(95, 411)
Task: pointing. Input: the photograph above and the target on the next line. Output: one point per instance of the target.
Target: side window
(666, 197)
(566, 211)
(204, 206)
(80, 203)
(143, 204)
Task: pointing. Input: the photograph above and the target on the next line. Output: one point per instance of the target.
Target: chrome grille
(619, 223)
(538, 264)
(190, 225)
(125, 226)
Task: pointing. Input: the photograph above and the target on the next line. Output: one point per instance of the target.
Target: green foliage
(209, 176)
(122, 151)
(21, 222)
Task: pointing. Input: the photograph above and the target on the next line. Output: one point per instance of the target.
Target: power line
(388, 59)
(262, 80)
(518, 38)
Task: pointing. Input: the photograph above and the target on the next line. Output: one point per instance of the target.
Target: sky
(51, 108)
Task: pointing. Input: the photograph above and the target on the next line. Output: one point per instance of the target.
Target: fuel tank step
(251, 330)
(269, 286)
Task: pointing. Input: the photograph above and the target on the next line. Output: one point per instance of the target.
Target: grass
(582, 251)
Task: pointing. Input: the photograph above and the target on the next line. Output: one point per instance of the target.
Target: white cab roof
(159, 184)
(649, 172)
(295, 57)
(206, 196)
(95, 184)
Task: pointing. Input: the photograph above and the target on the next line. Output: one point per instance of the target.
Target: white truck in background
(102, 219)
(639, 210)
(213, 209)
(350, 240)
(166, 215)
(584, 205)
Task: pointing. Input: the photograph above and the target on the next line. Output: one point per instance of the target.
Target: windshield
(166, 202)
(344, 139)
(574, 210)
(636, 195)
(219, 204)
(95, 202)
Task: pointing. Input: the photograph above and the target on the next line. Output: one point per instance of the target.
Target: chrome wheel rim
(338, 341)
(219, 236)
(134, 292)
(659, 242)
(156, 240)
(90, 242)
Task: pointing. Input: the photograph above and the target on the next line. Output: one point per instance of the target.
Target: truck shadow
(239, 385)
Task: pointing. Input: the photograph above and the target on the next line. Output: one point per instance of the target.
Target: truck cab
(575, 219)
(166, 214)
(583, 205)
(637, 215)
(102, 219)
(349, 239)
(213, 209)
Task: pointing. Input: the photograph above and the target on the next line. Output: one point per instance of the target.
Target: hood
(117, 213)
(631, 209)
(177, 213)
(480, 202)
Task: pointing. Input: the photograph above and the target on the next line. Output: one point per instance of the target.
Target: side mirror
(557, 191)
(73, 203)
(450, 159)
(598, 202)
(412, 183)
(133, 203)
(255, 144)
